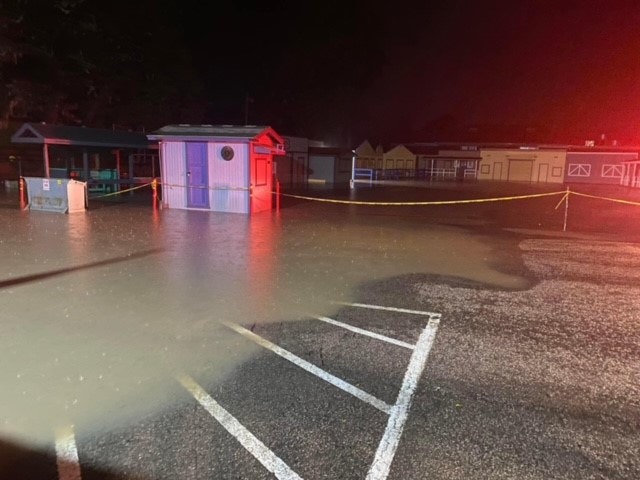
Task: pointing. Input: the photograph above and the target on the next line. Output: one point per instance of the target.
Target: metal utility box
(60, 195)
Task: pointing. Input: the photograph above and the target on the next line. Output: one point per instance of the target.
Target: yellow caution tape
(243, 189)
(617, 200)
(121, 191)
(441, 202)
(565, 194)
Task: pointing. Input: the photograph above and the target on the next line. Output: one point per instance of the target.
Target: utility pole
(247, 101)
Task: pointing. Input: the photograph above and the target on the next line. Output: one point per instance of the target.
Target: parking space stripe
(258, 449)
(390, 309)
(311, 368)
(366, 332)
(381, 465)
(67, 455)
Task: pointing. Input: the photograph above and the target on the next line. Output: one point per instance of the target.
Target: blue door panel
(197, 175)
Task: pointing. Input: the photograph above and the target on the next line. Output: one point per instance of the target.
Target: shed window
(261, 172)
(612, 171)
(485, 169)
(579, 170)
(556, 172)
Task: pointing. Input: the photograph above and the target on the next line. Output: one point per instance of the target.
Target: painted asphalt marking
(390, 309)
(381, 465)
(67, 455)
(311, 368)
(367, 333)
(258, 449)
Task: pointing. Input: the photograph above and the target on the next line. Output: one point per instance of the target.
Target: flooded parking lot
(102, 310)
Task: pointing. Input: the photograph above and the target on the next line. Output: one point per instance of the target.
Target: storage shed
(221, 168)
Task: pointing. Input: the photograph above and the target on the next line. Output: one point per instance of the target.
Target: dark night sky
(552, 71)
(568, 70)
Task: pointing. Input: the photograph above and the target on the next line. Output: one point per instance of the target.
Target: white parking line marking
(367, 333)
(258, 449)
(311, 368)
(67, 455)
(381, 465)
(390, 309)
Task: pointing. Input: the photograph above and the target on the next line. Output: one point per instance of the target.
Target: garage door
(520, 170)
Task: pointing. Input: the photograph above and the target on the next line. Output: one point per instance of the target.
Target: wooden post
(23, 201)
(277, 195)
(45, 155)
(566, 210)
(154, 188)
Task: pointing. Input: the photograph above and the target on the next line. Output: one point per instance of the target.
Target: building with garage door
(222, 168)
(522, 164)
(330, 165)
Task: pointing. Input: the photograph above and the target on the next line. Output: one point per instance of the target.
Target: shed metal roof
(41, 133)
(218, 132)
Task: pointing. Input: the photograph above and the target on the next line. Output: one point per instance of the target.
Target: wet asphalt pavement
(534, 372)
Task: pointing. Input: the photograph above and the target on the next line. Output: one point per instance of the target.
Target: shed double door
(197, 175)
(543, 172)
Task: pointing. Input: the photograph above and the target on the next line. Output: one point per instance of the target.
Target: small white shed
(222, 168)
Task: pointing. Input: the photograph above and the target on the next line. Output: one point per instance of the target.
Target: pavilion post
(119, 176)
(85, 165)
(45, 156)
(131, 176)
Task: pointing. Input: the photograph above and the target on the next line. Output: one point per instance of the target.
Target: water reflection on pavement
(100, 309)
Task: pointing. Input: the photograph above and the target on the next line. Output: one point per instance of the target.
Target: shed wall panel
(174, 189)
(229, 179)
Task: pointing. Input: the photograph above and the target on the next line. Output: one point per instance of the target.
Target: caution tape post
(23, 201)
(566, 210)
(154, 188)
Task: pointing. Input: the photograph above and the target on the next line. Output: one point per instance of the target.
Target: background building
(522, 164)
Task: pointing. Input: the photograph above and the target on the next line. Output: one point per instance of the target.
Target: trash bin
(62, 195)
